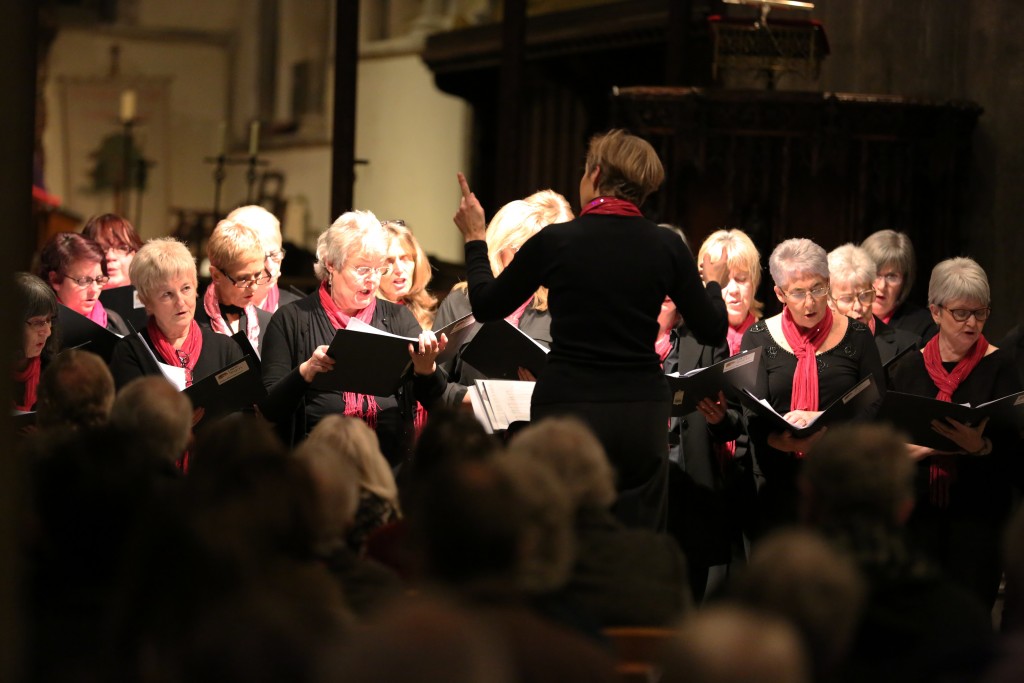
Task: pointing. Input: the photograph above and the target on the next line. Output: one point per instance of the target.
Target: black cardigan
(130, 361)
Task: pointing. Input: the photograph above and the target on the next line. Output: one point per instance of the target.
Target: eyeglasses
(118, 250)
(891, 278)
(398, 221)
(276, 255)
(962, 314)
(801, 294)
(86, 281)
(261, 279)
(366, 271)
(39, 323)
(866, 297)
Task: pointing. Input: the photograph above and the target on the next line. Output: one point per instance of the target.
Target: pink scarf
(942, 471)
(98, 314)
(211, 304)
(734, 335)
(804, 344)
(514, 317)
(273, 299)
(872, 325)
(30, 378)
(353, 401)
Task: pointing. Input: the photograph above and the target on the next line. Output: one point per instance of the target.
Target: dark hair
(630, 168)
(113, 229)
(65, 248)
(34, 297)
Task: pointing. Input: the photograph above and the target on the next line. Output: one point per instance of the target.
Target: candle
(222, 138)
(254, 138)
(127, 106)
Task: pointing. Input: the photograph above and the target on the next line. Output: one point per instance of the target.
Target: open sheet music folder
(730, 375)
(497, 403)
(913, 415)
(457, 332)
(233, 388)
(499, 349)
(77, 331)
(846, 407)
(366, 361)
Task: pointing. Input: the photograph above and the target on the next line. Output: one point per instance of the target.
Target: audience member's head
(735, 645)
(76, 391)
(798, 576)
(156, 415)
(449, 437)
(352, 439)
(336, 492)
(568, 448)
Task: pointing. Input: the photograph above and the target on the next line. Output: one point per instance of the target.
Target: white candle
(254, 138)
(127, 106)
(222, 138)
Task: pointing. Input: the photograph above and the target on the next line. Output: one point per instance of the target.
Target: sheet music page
(357, 325)
(174, 375)
(508, 401)
(479, 409)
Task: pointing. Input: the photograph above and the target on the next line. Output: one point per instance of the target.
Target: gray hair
(156, 414)
(891, 248)
(568, 448)
(354, 232)
(353, 440)
(336, 488)
(797, 256)
(958, 278)
(850, 264)
(262, 221)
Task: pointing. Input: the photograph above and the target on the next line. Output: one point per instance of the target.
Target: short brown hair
(630, 168)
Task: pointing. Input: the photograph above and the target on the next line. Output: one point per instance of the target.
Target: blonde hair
(850, 264)
(741, 254)
(630, 168)
(262, 221)
(353, 230)
(419, 301)
(353, 440)
(891, 248)
(518, 221)
(233, 242)
(158, 261)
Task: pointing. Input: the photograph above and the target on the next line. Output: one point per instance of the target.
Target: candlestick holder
(220, 172)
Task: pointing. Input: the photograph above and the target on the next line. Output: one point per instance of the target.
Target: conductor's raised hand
(317, 363)
(425, 352)
(715, 270)
(470, 216)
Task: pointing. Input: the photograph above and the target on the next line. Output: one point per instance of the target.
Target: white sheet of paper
(508, 401)
(174, 375)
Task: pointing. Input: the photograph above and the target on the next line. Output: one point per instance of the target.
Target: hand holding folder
(499, 349)
(728, 376)
(913, 415)
(366, 361)
(846, 407)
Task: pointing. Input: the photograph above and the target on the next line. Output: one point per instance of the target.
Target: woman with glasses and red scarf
(76, 268)
(607, 273)
(352, 257)
(964, 493)
(164, 273)
(810, 358)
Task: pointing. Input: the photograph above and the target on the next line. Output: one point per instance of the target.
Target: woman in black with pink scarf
(607, 273)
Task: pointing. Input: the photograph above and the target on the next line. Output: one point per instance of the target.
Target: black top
(536, 324)
(294, 333)
(130, 361)
(607, 277)
(982, 483)
(262, 319)
(892, 341)
(851, 360)
(914, 319)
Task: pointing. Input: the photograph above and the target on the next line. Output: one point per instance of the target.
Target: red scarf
(611, 206)
(353, 401)
(515, 316)
(734, 335)
(273, 299)
(942, 471)
(98, 314)
(872, 325)
(887, 318)
(30, 377)
(211, 304)
(185, 357)
(804, 344)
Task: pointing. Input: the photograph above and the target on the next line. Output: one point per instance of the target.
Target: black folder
(247, 348)
(499, 349)
(366, 363)
(730, 375)
(458, 333)
(77, 331)
(233, 388)
(125, 301)
(844, 408)
(899, 356)
(913, 415)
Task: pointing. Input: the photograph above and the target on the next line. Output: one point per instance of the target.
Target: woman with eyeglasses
(406, 282)
(238, 271)
(164, 274)
(119, 242)
(893, 254)
(964, 494)
(810, 358)
(38, 305)
(270, 296)
(352, 257)
(852, 275)
(76, 269)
